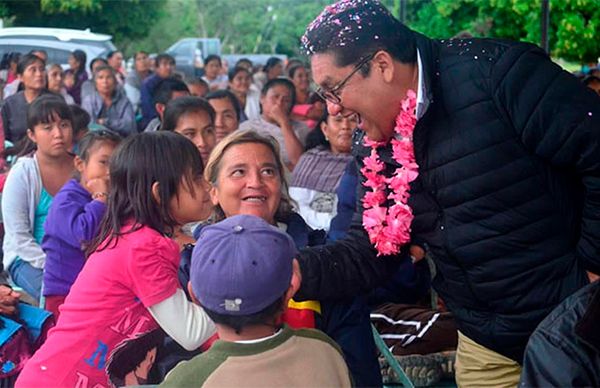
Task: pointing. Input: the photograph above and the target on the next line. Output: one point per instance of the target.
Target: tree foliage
(574, 31)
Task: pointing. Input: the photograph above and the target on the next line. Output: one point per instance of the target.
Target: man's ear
(384, 64)
(155, 192)
(192, 295)
(295, 282)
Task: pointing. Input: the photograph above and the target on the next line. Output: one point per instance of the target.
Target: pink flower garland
(389, 228)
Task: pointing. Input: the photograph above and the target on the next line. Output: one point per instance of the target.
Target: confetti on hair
(342, 23)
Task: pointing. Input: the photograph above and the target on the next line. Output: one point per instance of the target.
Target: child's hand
(98, 187)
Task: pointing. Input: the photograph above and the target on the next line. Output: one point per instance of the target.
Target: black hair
(161, 157)
(590, 79)
(91, 138)
(235, 71)
(44, 109)
(80, 119)
(197, 81)
(212, 57)
(243, 60)
(112, 53)
(108, 68)
(220, 94)
(292, 71)
(131, 353)
(138, 53)
(39, 51)
(27, 60)
(184, 105)
(8, 58)
(97, 59)
(266, 316)
(81, 57)
(271, 63)
(283, 82)
(316, 137)
(352, 30)
(163, 92)
(163, 58)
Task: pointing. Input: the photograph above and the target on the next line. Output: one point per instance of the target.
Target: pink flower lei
(389, 228)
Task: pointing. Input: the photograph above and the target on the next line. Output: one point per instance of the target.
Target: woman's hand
(279, 115)
(8, 300)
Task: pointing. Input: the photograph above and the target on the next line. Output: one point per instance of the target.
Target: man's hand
(8, 300)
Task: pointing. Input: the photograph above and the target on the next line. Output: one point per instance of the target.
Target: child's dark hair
(267, 316)
(161, 157)
(184, 105)
(81, 119)
(44, 109)
(92, 138)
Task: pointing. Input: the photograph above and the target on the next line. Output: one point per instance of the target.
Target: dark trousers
(348, 324)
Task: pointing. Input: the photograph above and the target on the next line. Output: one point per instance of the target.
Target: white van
(57, 42)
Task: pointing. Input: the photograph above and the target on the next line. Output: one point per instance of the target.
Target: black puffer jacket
(508, 196)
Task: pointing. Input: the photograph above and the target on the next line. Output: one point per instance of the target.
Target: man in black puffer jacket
(507, 200)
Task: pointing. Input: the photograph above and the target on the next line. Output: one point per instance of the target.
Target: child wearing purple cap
(245, 291)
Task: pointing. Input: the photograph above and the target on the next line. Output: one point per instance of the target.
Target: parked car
(189, 54)
(57, 42)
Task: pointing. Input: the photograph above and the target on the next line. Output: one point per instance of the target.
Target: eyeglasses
(333, 94)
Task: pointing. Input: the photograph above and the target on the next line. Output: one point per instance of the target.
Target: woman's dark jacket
(508, 195)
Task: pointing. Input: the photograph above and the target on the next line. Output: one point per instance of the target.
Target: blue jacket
(147, 99)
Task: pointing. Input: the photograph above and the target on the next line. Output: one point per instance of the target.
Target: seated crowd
(128, 250)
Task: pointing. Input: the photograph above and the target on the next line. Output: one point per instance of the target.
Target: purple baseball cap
(241, 265)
